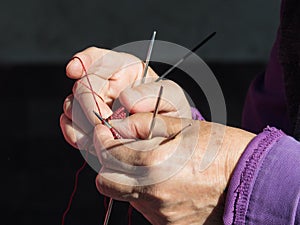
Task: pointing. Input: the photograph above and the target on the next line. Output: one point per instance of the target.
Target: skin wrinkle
(106, 189)
(138, 158)
(183, 217)
(109, 96)
(228, 161)
(117, 74)
(145, 192)
(67, 108)
(128, 102)
(84, 96)
(141, 158)
(106, 66)
(134, 127)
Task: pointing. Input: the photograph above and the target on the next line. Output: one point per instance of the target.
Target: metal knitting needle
(113, 130)
(172, 136)
(187, 55)
(155, 112)
(148, 56)
(108, 212)
(117, 136)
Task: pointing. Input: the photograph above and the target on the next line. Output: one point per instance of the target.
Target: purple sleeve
(265, 185)
(196, 115)
(265, 102)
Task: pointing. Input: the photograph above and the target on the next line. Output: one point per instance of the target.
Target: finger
(104, 142)
(119, 191)
(75, 136)
(87, 91)
(106, 78)
(74, 112)
(90, 55)
(137, 126)
(122, 154)
(67, 106)
(68, 130)
(143, 98)
(117, 65)
(119, 70)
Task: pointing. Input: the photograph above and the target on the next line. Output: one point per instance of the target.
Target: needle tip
(160, 91)
(98, 116)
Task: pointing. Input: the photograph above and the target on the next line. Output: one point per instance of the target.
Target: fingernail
(74, 68)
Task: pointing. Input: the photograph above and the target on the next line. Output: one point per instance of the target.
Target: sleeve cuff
(196, 115)
(245, 174)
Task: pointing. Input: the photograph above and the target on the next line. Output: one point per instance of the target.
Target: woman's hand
(115, 75)
(177, 180)
(112, 76)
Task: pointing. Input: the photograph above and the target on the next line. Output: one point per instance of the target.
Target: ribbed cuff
(196, 115)
(245, 173)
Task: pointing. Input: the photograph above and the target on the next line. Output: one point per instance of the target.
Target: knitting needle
(172, 136)
(116, 136)
(113, 130)
(148, 56)
(155, 112)
(187, 55)
(154, 119)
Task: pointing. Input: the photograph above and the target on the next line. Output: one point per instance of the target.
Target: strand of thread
(73, 192)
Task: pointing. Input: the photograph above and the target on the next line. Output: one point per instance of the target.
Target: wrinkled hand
(110, 74)
(113, 75)
(180, 180)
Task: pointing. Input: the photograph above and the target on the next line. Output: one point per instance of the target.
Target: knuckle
(67, 103)
(75, 87)
(144, 191)
(92, 48)
(100, 184)
(172, 85)
(142, 159)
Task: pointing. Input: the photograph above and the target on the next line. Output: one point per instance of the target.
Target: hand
(192, 169)
(105, 72)
(113, 76)
(110, 73)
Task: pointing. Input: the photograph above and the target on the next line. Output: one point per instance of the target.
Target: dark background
(37, 40)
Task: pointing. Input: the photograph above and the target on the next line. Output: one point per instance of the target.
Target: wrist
(237, 141)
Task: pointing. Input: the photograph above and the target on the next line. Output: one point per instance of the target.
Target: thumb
(143, 98)
(138, 126)
(82, 61)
